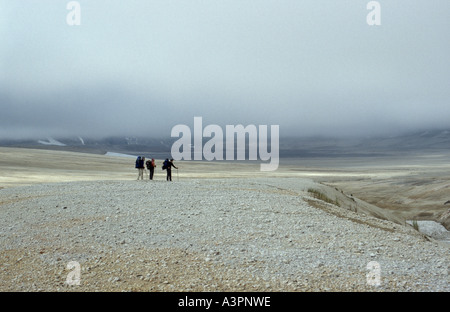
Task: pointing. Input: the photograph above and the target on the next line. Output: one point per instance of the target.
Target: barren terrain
(217, 227)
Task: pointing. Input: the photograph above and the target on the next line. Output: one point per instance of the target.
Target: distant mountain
(414, 142)
(121, 145)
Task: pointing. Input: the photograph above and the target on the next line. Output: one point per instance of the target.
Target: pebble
(205, 235)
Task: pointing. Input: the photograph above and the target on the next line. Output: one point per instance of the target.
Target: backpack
(165, 164)
(149, 165)
(138, 162)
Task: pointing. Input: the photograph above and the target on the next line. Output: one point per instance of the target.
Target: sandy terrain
(412, 187)
(218, 226)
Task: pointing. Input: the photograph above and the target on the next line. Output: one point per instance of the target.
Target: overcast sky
(313, 67)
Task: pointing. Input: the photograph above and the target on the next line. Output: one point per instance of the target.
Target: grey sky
(141, 67)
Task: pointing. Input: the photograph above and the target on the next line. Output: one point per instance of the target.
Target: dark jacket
(140, 164)
(170, 165)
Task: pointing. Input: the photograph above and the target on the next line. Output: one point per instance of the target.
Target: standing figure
(169, 170)
(151, 167)
(140, 167)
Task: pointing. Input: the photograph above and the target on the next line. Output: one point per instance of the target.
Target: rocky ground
(261, 234)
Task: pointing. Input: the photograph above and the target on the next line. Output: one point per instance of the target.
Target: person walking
(140, 167)
(169, 169)
(151, 167)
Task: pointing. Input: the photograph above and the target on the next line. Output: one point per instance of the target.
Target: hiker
(169, 169)
(151, 167)
(140, 167)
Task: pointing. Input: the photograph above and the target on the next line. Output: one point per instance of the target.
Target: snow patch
(119, 155)
(51, 141)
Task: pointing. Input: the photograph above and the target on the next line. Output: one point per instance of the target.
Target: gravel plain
(256, 234)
